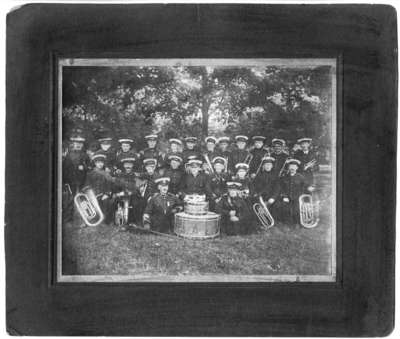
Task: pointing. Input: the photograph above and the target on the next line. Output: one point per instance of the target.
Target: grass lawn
(281, 250)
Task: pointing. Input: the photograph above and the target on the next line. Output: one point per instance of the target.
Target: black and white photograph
(197, 170)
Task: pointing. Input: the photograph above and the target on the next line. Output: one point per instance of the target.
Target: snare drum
(192, 226)
(196, 208)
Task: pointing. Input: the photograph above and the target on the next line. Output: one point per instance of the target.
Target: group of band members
(232, 177)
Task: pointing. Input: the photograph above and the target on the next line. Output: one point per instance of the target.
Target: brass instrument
(122, 212)
(309, 211)
(88, 207)
(263, 214)
(310, 164)
(261, 163)
(283, 168)
(248, 159)
(207, 159)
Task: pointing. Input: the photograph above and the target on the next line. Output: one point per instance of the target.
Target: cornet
(263, 214)
(88, 207)
(309, 211)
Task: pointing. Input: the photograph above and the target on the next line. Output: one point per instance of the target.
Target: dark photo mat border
(361, 303)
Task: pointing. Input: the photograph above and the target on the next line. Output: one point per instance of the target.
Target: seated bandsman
(258, 152)
(280, 156)
(223, 150)
(308, 159)
(218, 179)
(291, 187)
(190, 150)
(161, 208)
(75, 164)
(210, 153)
(236, 215)
(175, 148)
(195, 182)
(241, 176)
(124, 152)
(174, 173)
(105, 141)
(102, 184)
(240, 154)
(152, 152)
(266, 183)
(141, 195)
(125, 185)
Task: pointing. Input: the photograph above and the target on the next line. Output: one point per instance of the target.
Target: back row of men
(269, 172)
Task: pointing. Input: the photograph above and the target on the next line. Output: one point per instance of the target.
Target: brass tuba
(309, 211)
(88, 207)
(263, 214)
(122, 212)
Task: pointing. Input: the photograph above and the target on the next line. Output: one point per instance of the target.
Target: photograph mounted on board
(197, 170)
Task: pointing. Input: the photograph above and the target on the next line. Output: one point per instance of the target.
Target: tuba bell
(309, 211)
(88, 207)
(263, 214)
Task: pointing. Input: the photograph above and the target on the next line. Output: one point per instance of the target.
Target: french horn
(88, 207)
(309, 211)
(263, 214)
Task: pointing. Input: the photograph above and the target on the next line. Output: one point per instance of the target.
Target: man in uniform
(291, 187)
(152, 152)
(75, 164)
(258, 152)
(102, 184)
(161, 208)
(105, 141)
(266, 183)
(223, 150)
(151, 173)
(210, 152)
(195, 182)
(236, 214)
(279, 155)
(174, 173)
(241, 176)
(140, 197)
(124, 152)
(190, 150)
(218, 179)
(240, 154)
(175, 148)
(308, 159)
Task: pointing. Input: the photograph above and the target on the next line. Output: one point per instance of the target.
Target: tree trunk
(204, 118)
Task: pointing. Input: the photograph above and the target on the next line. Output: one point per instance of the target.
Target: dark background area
(361, 303)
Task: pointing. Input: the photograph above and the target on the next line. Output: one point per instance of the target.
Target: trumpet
(88, 207)
(263, 214)
(309, 211)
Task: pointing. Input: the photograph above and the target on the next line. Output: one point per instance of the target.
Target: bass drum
(206, 226)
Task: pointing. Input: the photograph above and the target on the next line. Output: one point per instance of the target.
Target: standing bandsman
(190, 150)
(124, 152)
(223, 151)
(140, 197)
(102, 184)
(236, 215)
(308, 159)
(174, 173)
(161, 208)
(151, 173)
(105, 141)
(291, 187)
(280, 156)
(258, 152)
(240, 154)
(75, 164)
(266, 183)
(210, 153)
(195, 182)
(152, 152)
(175, 148)
(218, 179)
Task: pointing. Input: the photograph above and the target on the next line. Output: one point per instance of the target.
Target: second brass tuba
(263, 214)
(88, 207)
(309, 211)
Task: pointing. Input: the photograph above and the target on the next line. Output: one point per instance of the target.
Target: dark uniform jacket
(279, 161)
(100, 181)
(175, 176)
(72, 175)
(243, 212)
(265, 184)
(218, 184)
(153, 153)
(189, 153)
(125, 182)
(245, 183)
(110, 161)
(258, 154)
(161, 209)
(211, 155)
(238, 156)
(292, 186)
(196, 185)
(304, 159)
